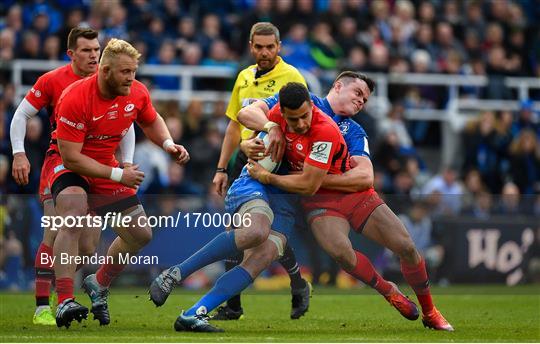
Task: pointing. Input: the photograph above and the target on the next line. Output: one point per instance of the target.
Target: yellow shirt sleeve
(234, 102)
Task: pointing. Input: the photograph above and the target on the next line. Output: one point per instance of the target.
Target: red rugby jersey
(84, 116)
(48, 88)
(322, 146)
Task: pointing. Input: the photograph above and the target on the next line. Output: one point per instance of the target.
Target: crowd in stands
(500, 150)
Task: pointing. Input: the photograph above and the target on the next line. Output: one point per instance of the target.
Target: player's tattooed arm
(358, 178)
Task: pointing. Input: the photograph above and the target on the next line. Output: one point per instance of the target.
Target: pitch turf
(479, 314)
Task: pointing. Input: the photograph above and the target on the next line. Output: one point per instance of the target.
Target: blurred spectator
(485, 150)
(210, 32)
(510, 201)
(395, 122)
(191, 55)
(380, 10)
(166, 57)
(405, 12)
(154, 35)
(378, 59)
(305, 13)
(194, 124)
(295, 49)
(154, 162)
(347, 32)
(141, 13)
(497, 68)
(356, 60)
(324, 49)
(170, 11)
(525, 162)
(179, 184)
(423, 40)
(482, 206)
(419, 225)
(387, 156)
(207, 148)
(186, 32)
(446, 43)
(474, 20)
(449, 189)
(116, 24)
(7, 44)
(426, 13)
(526, 119)
(473, 187)
(51, 48)
(284, 10)
(12, 259)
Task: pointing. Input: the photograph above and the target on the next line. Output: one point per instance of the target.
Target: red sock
(44, 274)
(107, 272)
(64, 288)
(416, 276)
(365, 272)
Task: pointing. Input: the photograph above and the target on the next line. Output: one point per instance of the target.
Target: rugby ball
(267, 162)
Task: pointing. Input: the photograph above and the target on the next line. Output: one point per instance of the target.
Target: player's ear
(70, 53)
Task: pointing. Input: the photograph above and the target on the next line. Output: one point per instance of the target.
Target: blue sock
(221, 247)
(228, 285)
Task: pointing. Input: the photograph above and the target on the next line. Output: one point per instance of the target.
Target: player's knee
(259, 235)
(72, 201)
(143, 237)
(346, 260)
(407, 250)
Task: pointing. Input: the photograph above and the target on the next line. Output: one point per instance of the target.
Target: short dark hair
(293, 95)
(77, 32)
(264, 29)
(348, 75)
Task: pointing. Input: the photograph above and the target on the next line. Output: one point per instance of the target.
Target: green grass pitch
(479, 314)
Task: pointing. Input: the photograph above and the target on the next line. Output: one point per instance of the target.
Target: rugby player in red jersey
(314, 149)
(83, 49)
(92, 116)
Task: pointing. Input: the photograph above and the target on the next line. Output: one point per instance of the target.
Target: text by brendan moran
(123, 258)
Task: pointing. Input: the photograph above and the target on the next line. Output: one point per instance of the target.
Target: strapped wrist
(116, 174)
(269, 125)
(167, 143)
(221, 170)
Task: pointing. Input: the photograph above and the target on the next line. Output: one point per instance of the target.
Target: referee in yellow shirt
(258, 81)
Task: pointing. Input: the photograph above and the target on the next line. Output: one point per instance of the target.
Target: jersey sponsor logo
(128, 114)
(79, 126)
(58, 168)
(112, 114)
(37, 93)
(96, 118)
(321, 151)
(129, 107)
(366, 146)
(344, 127)
(99, 137)
(299, 146)
(114, 106)
(270, 86)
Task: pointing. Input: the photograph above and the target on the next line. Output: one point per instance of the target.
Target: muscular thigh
(332, 233)
(385, 228)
